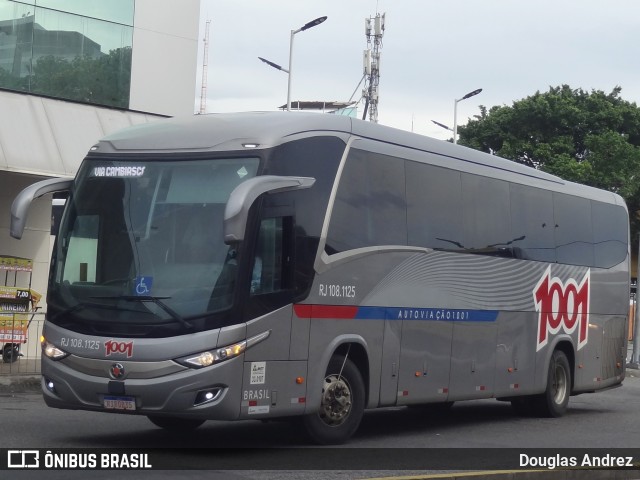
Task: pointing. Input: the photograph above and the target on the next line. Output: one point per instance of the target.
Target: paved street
(603, 420)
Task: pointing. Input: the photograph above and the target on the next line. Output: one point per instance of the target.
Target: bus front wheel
(341, 406)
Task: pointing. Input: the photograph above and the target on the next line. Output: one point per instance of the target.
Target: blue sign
(143, 286)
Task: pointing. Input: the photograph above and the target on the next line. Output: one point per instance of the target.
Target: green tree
(586, 137)
(12, 82)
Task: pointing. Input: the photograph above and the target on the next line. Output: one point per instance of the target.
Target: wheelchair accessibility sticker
(143, 286)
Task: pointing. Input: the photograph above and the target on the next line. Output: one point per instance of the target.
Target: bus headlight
(212, 357)
(51, 351)
(206, 359)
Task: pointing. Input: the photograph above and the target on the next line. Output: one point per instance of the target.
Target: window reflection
(467, 213)
(65, 55)
(118, 11)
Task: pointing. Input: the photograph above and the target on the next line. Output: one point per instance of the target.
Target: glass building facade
(71, 49)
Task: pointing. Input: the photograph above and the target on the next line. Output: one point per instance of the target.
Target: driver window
(83, 244)
(267, 271)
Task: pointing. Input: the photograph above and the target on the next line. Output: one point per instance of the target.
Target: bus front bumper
(211, 393)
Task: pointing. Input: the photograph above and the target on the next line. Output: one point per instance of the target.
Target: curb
(577, 474)
(19, 384)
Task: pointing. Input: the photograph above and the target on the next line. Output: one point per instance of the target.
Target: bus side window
(268, 270)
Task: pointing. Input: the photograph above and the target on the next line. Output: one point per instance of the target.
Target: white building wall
(165, 56)
(49, 137)
(45, 137)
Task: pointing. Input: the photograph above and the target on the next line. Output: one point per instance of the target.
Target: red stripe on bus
(325, 311)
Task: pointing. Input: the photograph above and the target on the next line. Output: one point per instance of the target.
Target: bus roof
(260, 130)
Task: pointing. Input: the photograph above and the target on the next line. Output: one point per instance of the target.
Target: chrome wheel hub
(336, 400)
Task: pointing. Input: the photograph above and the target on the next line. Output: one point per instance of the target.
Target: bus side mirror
(243, 196)
(21, 204)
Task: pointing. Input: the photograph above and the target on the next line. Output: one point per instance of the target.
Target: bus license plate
(119, 403)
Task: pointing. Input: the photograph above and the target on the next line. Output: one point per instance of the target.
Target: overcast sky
(433, 52)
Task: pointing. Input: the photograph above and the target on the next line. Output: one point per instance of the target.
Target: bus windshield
(141, 245)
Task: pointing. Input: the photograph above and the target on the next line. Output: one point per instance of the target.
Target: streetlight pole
(306, 26)
(455, 112)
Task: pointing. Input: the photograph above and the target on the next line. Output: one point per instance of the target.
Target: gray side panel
(614, 348)
(269, 389)
(299, 345)
(601, 362)
(589, 359)
(515, 354)
(454, 280)
(496, 350)
(390, 363)
(473, 360)
(276, 347)
(426, 350)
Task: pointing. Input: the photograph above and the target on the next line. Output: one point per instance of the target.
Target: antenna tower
(205, 68)
(374, 30)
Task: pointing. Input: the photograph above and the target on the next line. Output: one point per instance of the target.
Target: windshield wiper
(79, 306)
(67, 311)
(157, 300)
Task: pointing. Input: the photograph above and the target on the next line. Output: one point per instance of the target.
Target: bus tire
(553, 402)
(175, 424)
(341, 406)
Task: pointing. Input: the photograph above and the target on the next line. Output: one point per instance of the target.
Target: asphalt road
(608, 420)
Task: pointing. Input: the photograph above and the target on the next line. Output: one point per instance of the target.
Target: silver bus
(270, 265)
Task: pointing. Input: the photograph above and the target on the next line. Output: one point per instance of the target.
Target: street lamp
(274, 65)
(455, 112)
(306, 26)
(442, 125)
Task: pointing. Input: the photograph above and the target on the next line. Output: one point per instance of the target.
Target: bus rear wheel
(175, 424)
(553, 402)
(341, 406)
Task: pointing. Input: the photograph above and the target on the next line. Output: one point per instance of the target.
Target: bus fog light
(50, 385)
(206, 396)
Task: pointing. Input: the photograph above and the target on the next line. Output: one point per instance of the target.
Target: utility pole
(205, 68)
(374, 31)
